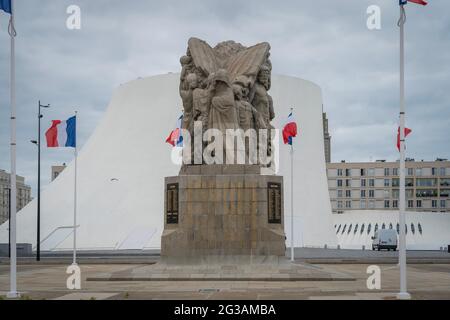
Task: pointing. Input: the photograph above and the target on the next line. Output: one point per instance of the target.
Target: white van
(385, 239)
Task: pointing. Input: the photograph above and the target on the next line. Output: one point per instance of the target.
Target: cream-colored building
(56, 170)
(23, 194)
(375, 185)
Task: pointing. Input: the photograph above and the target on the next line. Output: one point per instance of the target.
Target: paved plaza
(426, 280)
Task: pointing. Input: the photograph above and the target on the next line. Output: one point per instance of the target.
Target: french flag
(289, 129)
(422, 2)
(62, 133)
(175, 138)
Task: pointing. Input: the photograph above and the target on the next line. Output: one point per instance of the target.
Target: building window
(418, 172)
(348, 193)
(395, 171)
(419, 203)
(362, 204)
(172, 203)
(371, 204)
(426, 193)
(387, 182)
(443, 204)
(348, 183)
(371, 193)
(395, 193)
(371, 172)
(386, 203)
(362, 228)
(386, 193)
(363, 172)
(348, 204)
(426, 182)
(339, 204)
(433, 171)
(339, 183)
(434, 203)
(442, 172)
(410, 203)
(410, 171)
(348, 172)
(274, 202)
(339, 172)
(386, 172)
(363, 182)
(363, 193)
(339, 193)
(371, 182)
(394, 203)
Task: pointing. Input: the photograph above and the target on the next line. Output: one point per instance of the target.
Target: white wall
(129, 145)
(435, 228)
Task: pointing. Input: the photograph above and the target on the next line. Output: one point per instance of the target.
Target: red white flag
(422, 2)
(407, 132)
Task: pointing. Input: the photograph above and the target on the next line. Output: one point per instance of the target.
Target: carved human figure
(244, 108)
(187, 96)
(187, 67)
(223, 112)
(260, 99)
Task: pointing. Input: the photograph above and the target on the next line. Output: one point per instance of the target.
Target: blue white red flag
(422, 2)
(175, 138)
(5, 5)
(62, 133)
(289, 129)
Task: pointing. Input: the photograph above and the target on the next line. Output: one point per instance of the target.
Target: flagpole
(13, 191)
(292, 199)
(75, 202)
(403, 294)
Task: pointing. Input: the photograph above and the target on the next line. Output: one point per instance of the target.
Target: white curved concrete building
(122, 166)
(424, 230)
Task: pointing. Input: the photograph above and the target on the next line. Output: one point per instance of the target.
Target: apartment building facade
(375, 185)
(23, 194)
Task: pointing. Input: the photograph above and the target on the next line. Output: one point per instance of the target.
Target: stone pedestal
(222, 211)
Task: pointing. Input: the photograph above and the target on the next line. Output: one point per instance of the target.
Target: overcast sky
(326, 42)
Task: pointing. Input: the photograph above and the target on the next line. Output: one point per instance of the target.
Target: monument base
(222, 211)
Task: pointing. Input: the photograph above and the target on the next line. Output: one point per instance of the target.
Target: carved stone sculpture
(226, 87)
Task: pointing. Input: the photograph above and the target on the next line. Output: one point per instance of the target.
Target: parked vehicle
(385, 239)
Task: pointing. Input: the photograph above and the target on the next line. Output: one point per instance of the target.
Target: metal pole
(38, 143)
(9, 222)
(292, 200)
(13, 260)
(402, 252)
(292, 203)
(75, 207)
(38, 236)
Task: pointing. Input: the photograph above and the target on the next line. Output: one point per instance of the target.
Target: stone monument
(220, 204)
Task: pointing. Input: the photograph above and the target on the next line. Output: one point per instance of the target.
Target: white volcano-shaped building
(121, 172)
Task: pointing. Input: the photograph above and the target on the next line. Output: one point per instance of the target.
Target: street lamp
(38, 144)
